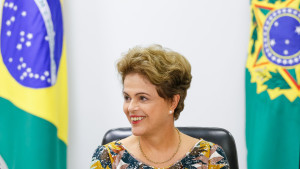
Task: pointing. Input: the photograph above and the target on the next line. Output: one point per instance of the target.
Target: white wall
(213, 35)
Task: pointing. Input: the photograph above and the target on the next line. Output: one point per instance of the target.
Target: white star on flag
(297, 30)
(272, 42)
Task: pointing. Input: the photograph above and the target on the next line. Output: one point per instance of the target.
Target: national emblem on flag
(274, 49)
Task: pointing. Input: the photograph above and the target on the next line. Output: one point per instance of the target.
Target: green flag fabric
(273, 85)
(33, 86)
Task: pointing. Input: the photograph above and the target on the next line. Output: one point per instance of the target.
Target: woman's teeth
(136, 118)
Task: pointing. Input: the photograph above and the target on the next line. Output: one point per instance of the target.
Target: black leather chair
(216, 135)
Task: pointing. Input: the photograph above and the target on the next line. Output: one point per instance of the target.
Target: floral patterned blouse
(204, 155)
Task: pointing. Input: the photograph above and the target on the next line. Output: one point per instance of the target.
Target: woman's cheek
(125, 108)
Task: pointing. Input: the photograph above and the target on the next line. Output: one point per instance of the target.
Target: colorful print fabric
(204, 155)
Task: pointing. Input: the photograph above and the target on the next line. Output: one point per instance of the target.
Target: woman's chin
(137, 131)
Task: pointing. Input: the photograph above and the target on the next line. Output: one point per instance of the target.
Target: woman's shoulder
(207, 145)
(105, 155)
(209, 148)
(213, 153)
(113, 146)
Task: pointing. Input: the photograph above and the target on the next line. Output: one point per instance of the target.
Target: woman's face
(145, 109)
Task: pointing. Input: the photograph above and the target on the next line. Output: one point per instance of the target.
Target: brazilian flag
(273, 85)
(33, 85)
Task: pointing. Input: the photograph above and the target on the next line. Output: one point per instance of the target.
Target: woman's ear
(175, 101)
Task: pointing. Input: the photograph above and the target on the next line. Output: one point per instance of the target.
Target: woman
(155, 82)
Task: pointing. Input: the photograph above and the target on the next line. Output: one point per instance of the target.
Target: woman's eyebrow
(139, 93)
(142, 93)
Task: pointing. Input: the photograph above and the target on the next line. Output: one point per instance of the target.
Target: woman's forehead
(136, 83)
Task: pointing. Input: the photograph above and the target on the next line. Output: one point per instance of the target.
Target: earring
(170, 112)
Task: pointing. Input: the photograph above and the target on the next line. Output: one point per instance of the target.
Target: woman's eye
(126, 98)
(143, 98)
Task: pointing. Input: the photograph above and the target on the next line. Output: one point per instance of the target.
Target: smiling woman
(155, 82)
(143, 106)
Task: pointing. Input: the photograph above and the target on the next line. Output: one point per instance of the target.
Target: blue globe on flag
(281, 37)
(31, 41)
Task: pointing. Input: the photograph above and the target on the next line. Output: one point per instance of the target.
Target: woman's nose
(132, 105)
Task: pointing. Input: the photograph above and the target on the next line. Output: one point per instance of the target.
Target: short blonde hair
(169, 71)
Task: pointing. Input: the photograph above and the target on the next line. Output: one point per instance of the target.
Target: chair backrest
(216, 135)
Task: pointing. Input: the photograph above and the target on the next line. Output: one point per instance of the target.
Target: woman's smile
(136, 119)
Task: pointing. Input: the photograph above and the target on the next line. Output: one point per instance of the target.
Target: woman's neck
(160, 140)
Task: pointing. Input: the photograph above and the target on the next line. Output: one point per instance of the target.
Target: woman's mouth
(136, 119)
